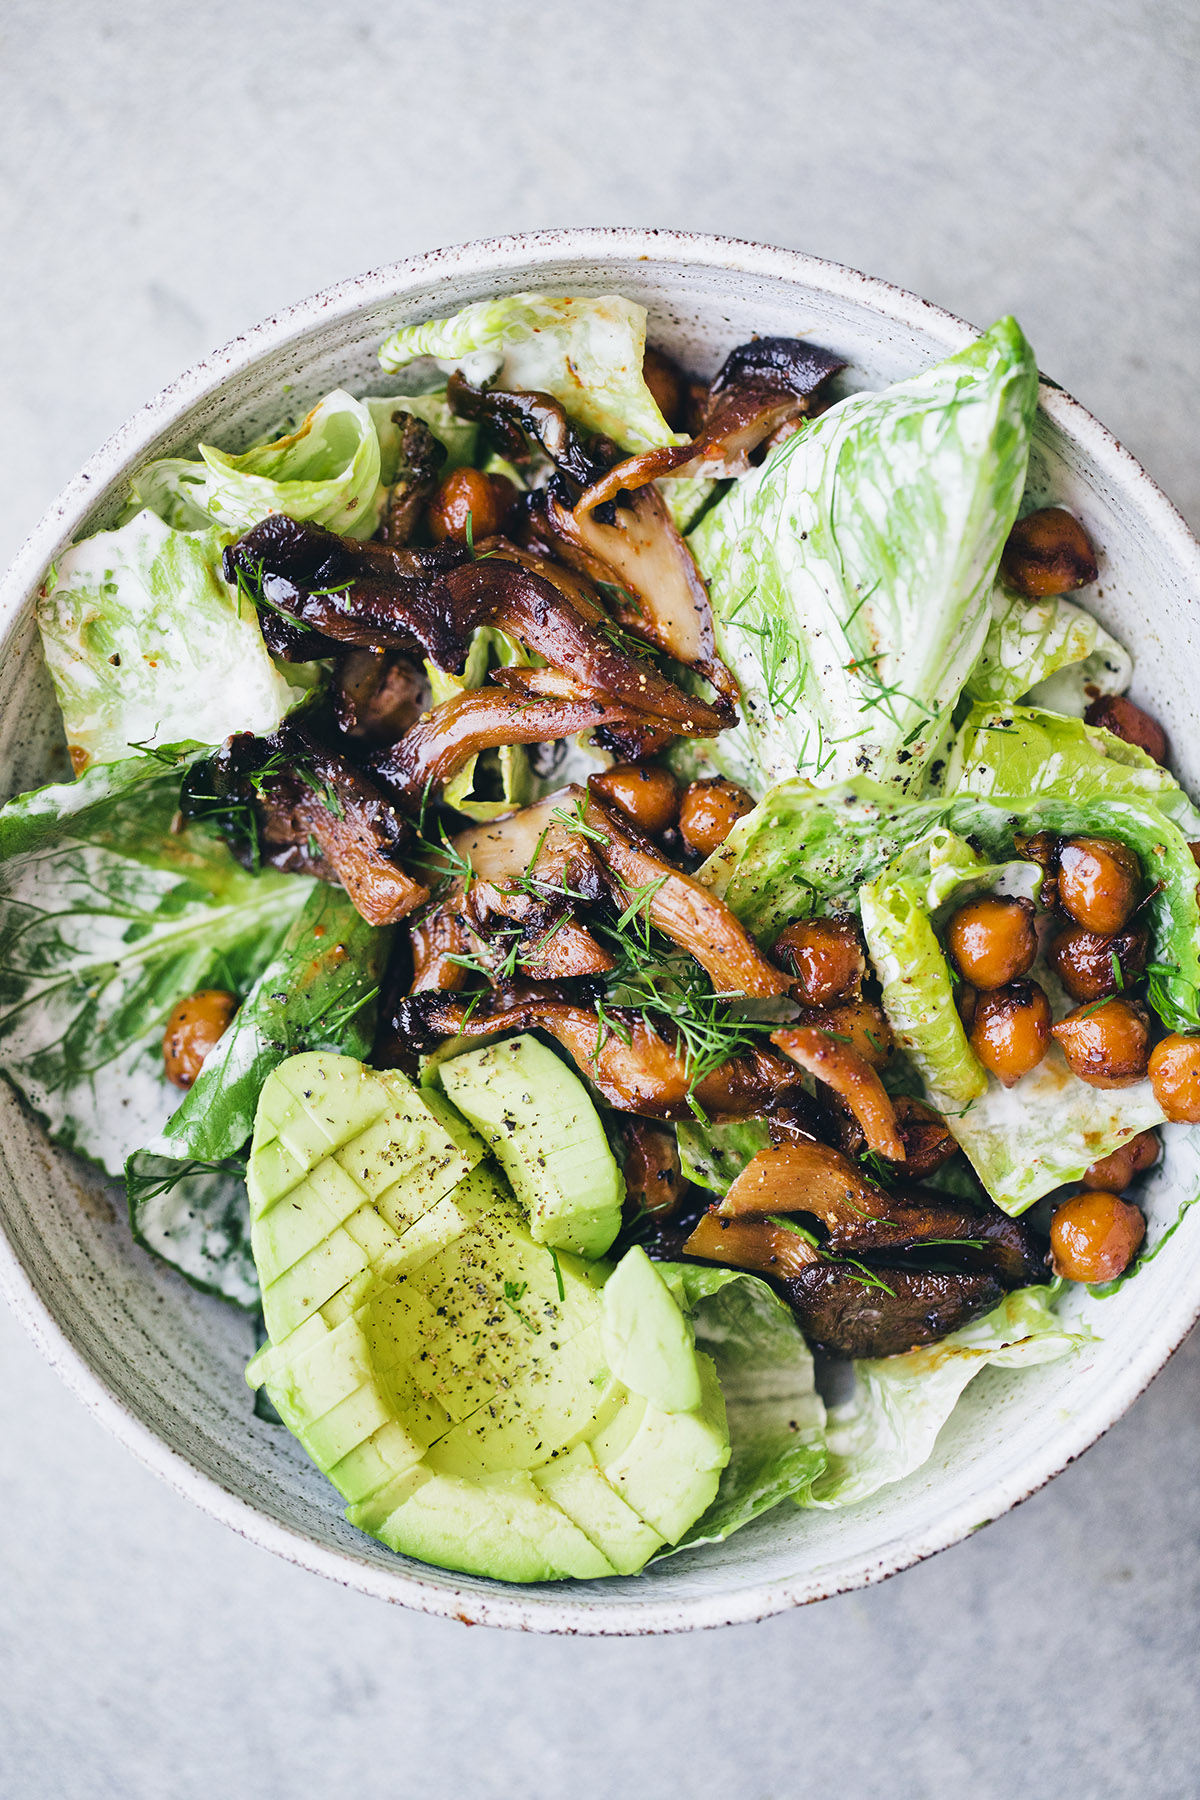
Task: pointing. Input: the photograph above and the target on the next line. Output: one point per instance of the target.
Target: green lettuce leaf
(806, 850)
(1030, 642)
(1058, 774)
(714, 1156)
(147, 645)
(1022, 1141)
(900, 1403)
(109, 917)
(327, 471)
(899, 909)
(186, 1187)
(586, 353)
(851, 573)
(776, 1417)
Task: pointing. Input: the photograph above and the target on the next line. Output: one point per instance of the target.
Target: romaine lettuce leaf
(327, 471)
(1058, 774)
(900, 1403)
(108, 917)
(776, 1417)
(1029, 642)
(806, 850)
(898, 916)
(714, 1156)
(1022, 1141)
(147, 645)
(851, 573)
(586, 353)
(186, 1188)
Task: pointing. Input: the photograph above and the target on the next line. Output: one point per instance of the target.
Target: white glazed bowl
(162, 1365)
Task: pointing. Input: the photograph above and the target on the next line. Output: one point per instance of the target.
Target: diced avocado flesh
(459, 1386)
(538, 1119)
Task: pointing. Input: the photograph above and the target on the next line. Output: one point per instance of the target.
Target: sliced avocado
(458, 1386)
(539, 1122)
(648, 1341)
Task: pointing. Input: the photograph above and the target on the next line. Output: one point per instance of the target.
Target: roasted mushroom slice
(852, 1312)
(682, 908)
(648, 574)
(852, 1079)
(755, 1245)
(654, 1182)
(760, 386)
(634, 1068)
(418, 469)
(363, 595)
(440, 742)
(440, 942)
(377, 694)
(290, 801)
(513, 416)
(866, 1220)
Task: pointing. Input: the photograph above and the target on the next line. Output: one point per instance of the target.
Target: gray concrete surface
(169, 174)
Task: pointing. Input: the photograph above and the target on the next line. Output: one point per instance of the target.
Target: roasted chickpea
(1098, 882)
(469, 505)
(1048, 553)
(666, 383)
(1088, 965)
(1095, 1236)
(861, 1025)
(709, 812)
(1106, 1045)
(1114, 1172)
(826, 957)
(1116, 713)
(644, 792)
(992, 941)
(193, 1028)
(1010, 1032)
(1175, 1078)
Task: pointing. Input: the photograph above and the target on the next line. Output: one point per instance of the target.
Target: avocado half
(482, 1400)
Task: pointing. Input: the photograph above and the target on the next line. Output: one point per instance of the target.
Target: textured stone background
(168, 175)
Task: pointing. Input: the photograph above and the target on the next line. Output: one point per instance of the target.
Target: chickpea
(469, 503)
(1098, 882)
(1116, 713)
(193, 1028)
(1175, 1078)
(1095, 1236)
(665, 381)
(644, 792)
(1114, 1172)
(709, 812)
(1011, 1030)
(1048, 553)
(1087, 964)
(826, 957)
(862, 1026)
(992, 940)
(1106, 1045)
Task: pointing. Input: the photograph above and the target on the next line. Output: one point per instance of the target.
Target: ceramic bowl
(162, 1365)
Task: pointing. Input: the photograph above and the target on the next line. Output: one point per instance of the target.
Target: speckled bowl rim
(404, 1585)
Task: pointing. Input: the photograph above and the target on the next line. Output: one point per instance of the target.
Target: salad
(627, 920)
